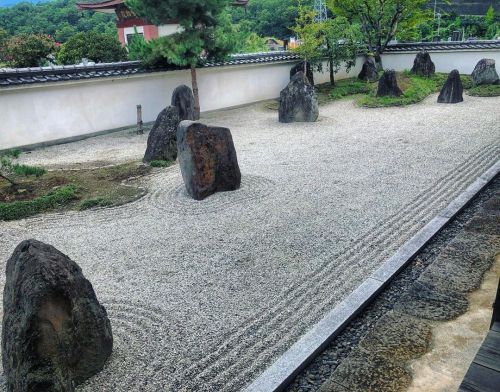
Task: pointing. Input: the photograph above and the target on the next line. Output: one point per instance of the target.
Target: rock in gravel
(368, 70)
(207, 159)
(298, 101)
(300, 68)
(183, 100)
(398, 337)
(423, 65)
(485, 73)
(55, 334)
(452, 91)
(162, 143)
(429, 301)
(388, 85)
(364, 371)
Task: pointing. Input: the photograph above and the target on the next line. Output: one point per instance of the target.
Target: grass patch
(53, 200)
(90, 188)
(343, 88)
(415, 89)
(92, 203)
(161, 163)
(485, 90)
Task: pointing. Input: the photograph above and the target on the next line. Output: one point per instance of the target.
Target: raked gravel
(202, 296)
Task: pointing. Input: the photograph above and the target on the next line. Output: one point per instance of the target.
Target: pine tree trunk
(332, 75)
(378, 61)
(194, 84)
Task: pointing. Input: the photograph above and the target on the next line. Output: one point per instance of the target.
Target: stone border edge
(277, 377)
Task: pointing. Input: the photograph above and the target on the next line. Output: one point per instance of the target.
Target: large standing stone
(368, 71)
(207, 158)
(485, 73)
(388, 85)
(162, 143)
(183, 100)
(55, 334)
(298, 101)
(423, 65)
(300, 68)
(452, 91)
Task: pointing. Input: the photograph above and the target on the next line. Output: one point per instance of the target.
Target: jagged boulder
(388, 85)
(298, 101)
(55, 334)
(452, 91)
(162, 143)
(207, 159)
(485, 73)
(423, 65)
(300, 68)
(368, 70)
(183, 100)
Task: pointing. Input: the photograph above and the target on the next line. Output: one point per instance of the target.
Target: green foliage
(161, 163)
(55, 18)
(485, 90)
(92, 203)
(98, 47)
(268, 18)
(8, 168)
(309, 33)
(344, 88)
(28, 50)
(53, 200)
(382, 20)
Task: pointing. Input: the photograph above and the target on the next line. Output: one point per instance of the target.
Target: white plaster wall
(463, 61)
(47, 112)
(168, 29)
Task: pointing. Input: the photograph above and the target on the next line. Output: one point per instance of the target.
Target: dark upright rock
(183, 100)
(298, 101)
(452, 91)
(55, 334)
(300, 68)
(368, 71)
(485, 73)
(388, 85)
(207, 158)
(423, 65)
(162, 143)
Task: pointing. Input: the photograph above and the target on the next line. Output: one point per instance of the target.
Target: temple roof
(101, 6)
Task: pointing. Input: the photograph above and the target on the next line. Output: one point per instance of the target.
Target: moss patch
(161, 163)
(70, 189)
(485, 90)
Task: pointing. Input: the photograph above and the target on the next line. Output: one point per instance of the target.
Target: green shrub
(485, 90)
(92, 203)
(22, 209)
(97, 47)
(25, 170)
(28, 50)
(160, 163)
(8, 168)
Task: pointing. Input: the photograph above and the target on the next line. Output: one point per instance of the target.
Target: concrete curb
(299, 355)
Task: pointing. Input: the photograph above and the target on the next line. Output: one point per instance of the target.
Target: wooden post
(140, 131)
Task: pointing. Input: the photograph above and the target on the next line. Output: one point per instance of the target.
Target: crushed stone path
(203, 296)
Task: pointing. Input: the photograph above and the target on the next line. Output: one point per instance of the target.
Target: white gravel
(202, 296)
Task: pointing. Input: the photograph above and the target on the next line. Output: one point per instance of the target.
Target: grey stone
(300, 68)
(364, 371)
(207, 159)
(55, 334)
(388, 85)
(398, 337)
(368, 71)
(298, 101)
(162, 144)
(485, 73)
(423, 65)
(429, 301)
(452, 90)
(183, 100)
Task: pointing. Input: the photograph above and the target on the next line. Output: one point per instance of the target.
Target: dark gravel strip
(320, 370)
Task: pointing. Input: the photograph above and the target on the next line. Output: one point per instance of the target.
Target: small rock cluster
(161, 140)
(55, 334)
